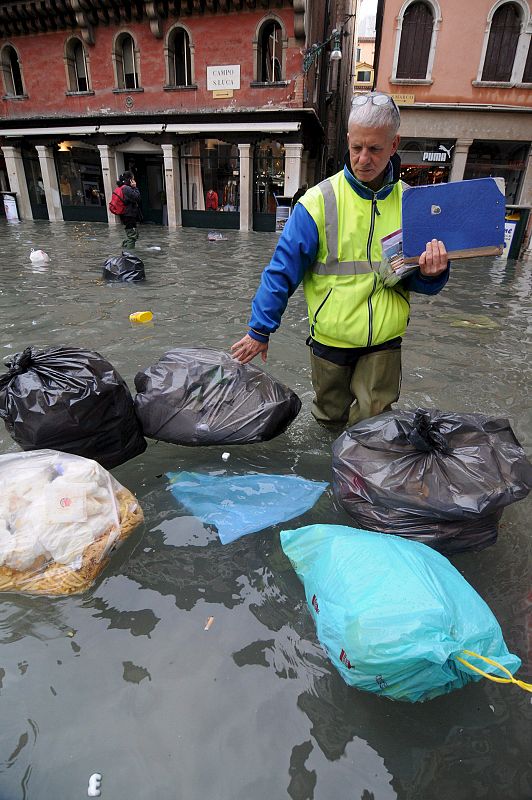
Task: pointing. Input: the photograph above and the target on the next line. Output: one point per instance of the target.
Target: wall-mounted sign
(404, 99)
(223, 77)
(442, 154)
(222, 93)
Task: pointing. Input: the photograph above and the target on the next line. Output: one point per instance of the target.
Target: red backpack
(116, 203)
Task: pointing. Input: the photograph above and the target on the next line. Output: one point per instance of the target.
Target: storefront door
(149, 174)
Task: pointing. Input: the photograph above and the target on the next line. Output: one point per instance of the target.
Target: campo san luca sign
(223, 79)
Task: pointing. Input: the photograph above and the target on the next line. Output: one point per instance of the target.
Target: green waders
(350, 394)
(132, 235)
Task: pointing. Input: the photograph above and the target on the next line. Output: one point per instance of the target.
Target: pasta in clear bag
(61, 516)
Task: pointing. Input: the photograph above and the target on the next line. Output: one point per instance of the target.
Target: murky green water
(125, 681)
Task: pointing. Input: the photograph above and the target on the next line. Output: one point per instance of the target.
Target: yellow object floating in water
(141, 316)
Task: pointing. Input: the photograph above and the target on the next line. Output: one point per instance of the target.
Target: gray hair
(370, 115)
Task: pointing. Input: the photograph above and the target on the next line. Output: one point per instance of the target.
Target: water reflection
(126, 680)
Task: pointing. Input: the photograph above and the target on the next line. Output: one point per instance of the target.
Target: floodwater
(124, 680)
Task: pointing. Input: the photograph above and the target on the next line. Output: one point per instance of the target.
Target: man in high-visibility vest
(332, 244)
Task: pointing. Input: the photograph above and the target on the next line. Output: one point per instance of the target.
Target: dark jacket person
(132, 215)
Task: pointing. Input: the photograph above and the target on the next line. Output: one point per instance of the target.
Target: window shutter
(527, 75)
(502, 44)
(416, 36)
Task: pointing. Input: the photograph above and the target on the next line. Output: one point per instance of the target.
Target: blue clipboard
(467, 216)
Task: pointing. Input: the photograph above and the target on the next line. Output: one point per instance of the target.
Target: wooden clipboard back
(472, 252)
(467, 216)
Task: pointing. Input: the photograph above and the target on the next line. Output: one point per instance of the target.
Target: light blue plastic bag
(239, 504)
(393, 614)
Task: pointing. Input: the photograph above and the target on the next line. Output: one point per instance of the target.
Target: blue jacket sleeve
(295, 252)
(416, 282)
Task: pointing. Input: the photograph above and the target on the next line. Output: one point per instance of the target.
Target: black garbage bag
(197, 396)
(126, 267)
(440, 478)
(72, 400)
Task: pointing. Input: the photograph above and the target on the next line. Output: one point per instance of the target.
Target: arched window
(11, 72)
(76, 65)
(270, 53)
(416, 37)
(126, 62)
(502, 43)
(179, 58)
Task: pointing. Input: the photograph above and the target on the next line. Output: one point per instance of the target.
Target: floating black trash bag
(196, 396)
(442, 479)
(68, 399)
(126, 267)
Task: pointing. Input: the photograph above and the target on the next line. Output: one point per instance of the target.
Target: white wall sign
(224, 77)
(509, 230)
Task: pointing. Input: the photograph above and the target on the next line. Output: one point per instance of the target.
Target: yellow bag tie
(510, 679)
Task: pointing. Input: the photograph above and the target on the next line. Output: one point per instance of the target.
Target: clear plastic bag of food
(61, 516)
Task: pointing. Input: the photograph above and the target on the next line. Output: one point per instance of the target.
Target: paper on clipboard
(467, 216)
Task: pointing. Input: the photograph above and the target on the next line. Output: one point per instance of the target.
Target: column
(17, 180)
(304, 168)
(172, 178)
(292, 168)
(246, 186)
(50, 183)
(461, 149)
(109, 173)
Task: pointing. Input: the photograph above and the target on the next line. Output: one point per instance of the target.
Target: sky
(368, 8)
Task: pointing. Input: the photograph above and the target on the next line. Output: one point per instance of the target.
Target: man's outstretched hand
(433, 261)
(247, 348)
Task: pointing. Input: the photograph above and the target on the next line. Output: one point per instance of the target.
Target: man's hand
(247, 348)
(433, 261)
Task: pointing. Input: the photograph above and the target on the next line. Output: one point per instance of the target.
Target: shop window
(268, 176)
(34, 181)
(502, 43)
(498, 159)
(425, 161)
(270, 53)
(12, 72)
(76, 65)
(210, 175)
(416, 37)
(126, 61)
(179, 58)
(80, 176)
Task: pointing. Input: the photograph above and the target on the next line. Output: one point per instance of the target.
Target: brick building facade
(214, 104)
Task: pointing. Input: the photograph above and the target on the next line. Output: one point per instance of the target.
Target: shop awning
(183, 128)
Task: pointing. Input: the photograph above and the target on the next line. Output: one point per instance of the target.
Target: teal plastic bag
(240, 504)
(393, 614)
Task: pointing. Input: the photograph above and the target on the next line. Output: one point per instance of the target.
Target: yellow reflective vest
(348, 305)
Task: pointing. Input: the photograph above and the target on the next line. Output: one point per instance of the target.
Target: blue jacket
(296, 252)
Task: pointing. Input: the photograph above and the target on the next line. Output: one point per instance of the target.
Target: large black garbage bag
(440, 478)
(197, 396)
(72, 400)
(126, 267)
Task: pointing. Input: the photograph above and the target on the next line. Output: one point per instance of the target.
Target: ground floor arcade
(203, 174)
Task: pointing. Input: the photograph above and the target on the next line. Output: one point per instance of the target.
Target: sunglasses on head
(376, 99)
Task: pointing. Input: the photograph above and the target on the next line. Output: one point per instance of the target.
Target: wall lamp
(310, 55)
